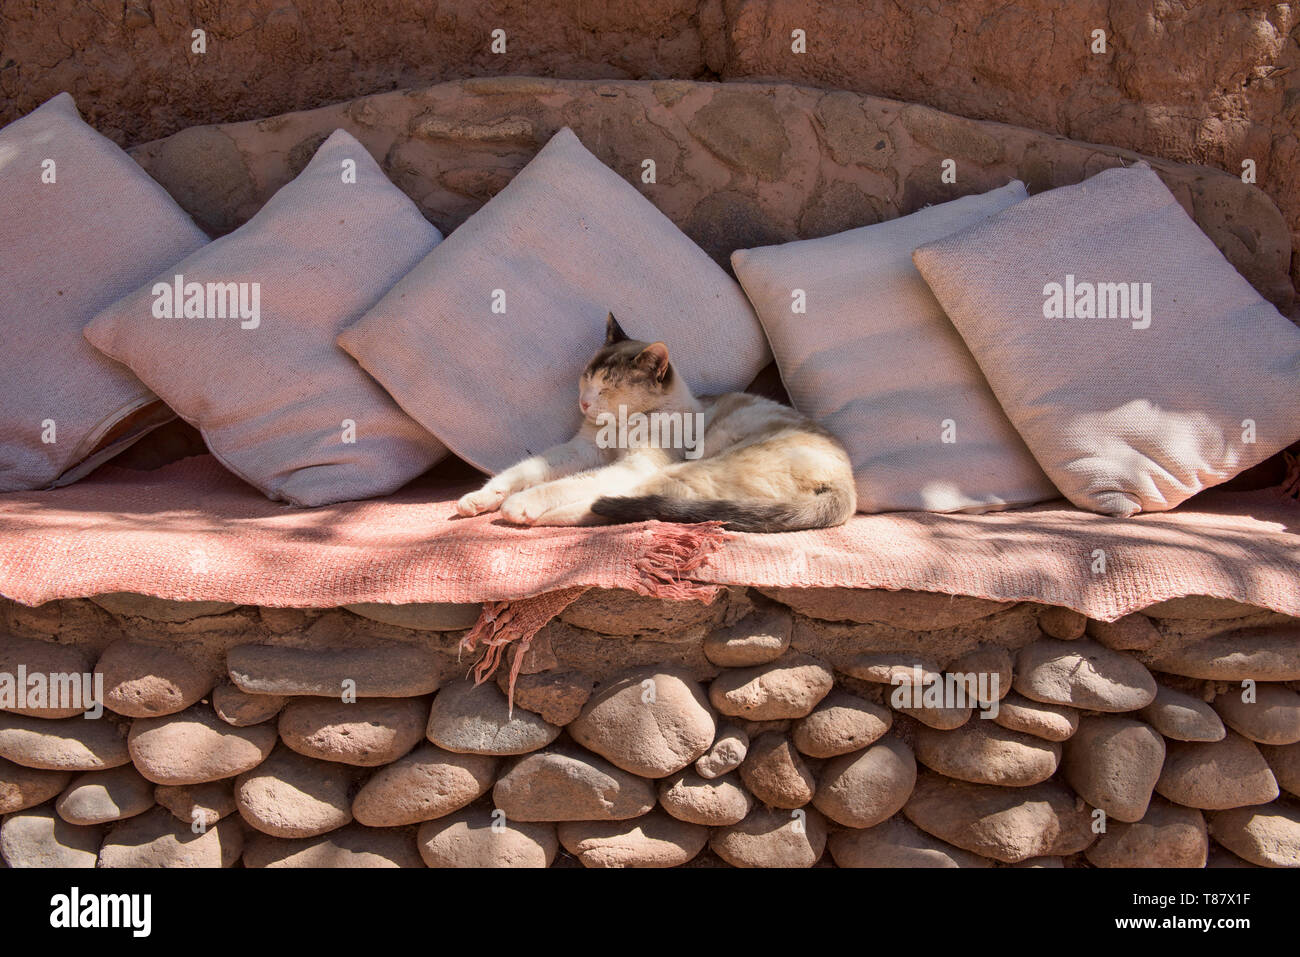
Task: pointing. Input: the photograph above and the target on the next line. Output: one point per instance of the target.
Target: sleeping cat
(761, 467)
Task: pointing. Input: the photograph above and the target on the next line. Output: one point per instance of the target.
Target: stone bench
(768, 727)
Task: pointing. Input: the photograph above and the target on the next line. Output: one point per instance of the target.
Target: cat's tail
(830, 508)
(791, 481)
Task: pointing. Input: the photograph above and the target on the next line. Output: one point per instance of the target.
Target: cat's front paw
(476, 503)
(525, 508)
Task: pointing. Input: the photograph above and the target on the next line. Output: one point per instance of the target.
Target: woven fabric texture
(82, 225)
(191, 531)
(275, 398)
(1178, 375)
(565, 242)
(873, 358)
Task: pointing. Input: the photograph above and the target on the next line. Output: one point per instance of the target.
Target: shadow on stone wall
(736, 164)
(1215, 83)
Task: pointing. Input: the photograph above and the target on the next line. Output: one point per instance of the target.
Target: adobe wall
(737, 165)
(762, 729)
(1212, 82)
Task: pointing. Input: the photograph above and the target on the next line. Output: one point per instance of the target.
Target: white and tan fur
(764, 467)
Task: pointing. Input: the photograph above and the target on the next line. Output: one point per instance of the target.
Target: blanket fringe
(670, 554)
(502, 624)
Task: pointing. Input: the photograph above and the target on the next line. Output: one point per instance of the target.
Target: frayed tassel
(505, 623)
(670, 554)
(674, 551)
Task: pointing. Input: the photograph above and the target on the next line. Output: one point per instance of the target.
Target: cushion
(875, 360)
(563, 244)
(276, 400)
(68, 248)
(1132, 397)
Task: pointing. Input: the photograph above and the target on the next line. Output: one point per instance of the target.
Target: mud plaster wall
(1212, 82)
(772, 737)
(738, 164)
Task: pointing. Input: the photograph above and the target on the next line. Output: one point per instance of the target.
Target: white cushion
(564, 243)
(1125, 412)
(876, 361)
(275, 398)
(68, 248)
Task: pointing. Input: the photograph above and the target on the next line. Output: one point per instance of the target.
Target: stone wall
(736, 164)
(763, 729)
(1211, 82)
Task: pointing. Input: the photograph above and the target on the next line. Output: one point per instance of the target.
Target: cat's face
(624, 372)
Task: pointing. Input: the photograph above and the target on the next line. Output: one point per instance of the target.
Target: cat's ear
(613, 331)
(655, 358)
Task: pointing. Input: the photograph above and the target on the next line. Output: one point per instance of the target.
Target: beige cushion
(1125, 414)
(565, 242)
(875, 360)
(274, 397)
(68, 249)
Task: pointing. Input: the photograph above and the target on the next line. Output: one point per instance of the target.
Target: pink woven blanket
(192, 531)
